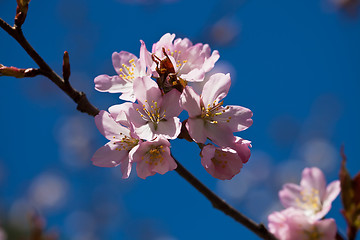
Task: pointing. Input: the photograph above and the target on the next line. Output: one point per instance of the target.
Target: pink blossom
(128, 67)
(2, 234)
(291, 224)
(312, 196)
(155, 115)
(207, 116)
(221, 163)
(153, 157)
(191, 62)
(121, 147)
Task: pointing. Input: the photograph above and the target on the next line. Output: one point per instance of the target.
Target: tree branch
(220, 204)
(83, 104)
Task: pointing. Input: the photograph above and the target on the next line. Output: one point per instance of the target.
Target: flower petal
(313, 178)
(109, 128)
(169, 129)
(195, 75)
(110, 156)
(171, 104)
(242, 149)
(220, 134)
(239, 118)
(114, 84)
(146, 90)
(288, 195)
(195, 126)
(121, 58)
(190, 101)
(216, 88)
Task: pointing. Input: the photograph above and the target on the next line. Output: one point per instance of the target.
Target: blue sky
(295, 64)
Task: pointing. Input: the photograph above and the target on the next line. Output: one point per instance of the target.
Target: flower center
(155, 155)
(218, 158)
(126, 143)
(309, 201)
(212, 113)
(314, 234)
(152, 112)
(127, 72)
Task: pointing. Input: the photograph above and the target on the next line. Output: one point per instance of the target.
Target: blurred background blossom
(294, 64)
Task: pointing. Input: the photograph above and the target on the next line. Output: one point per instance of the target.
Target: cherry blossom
(121, 147)
(190, 62)
(312, 196)
(155, 115)
(128, 67)
(208, 118)
(291, 224)
(153, 157)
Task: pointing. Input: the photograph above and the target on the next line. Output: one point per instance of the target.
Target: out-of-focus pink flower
(153, 157)
(224, 163)
(191, 62)
(208, 118)
(121, 147)
(312, 196)
(155, 115)
(2, 234)
(128, 67)
(291, 224)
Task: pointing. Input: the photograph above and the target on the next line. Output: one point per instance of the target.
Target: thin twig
(83, 104)
(220, 204)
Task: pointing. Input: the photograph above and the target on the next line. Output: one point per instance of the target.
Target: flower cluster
(158, 87)
(306, 205)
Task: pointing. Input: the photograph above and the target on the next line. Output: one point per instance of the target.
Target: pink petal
(242, 149)
(109, 156)
(288, 195)
(332, 191)
(128, 96)
(210, 62)
(196, 129)
(313, 178)
(195, 75)
(164, 41)
(171, 103)
(240, 118)
(114, 84)
(119, 112)
(221, 163)
(220, 134)
(327, 228)
(216, 88)
(145, 56)
(190, 101)
(120, 58)
(108, 127)
(145, 89)
(146, 131)
(169, 129)
(143, 170)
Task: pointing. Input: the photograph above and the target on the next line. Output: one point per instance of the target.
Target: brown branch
(220, 204)
(83, 104)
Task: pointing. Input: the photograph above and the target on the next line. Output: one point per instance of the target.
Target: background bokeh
(295, 64)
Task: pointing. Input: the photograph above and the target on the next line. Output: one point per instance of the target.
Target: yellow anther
(132, 60)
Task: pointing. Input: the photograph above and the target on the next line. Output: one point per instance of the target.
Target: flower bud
(66, 67)
(21, 12)
(18, 72)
